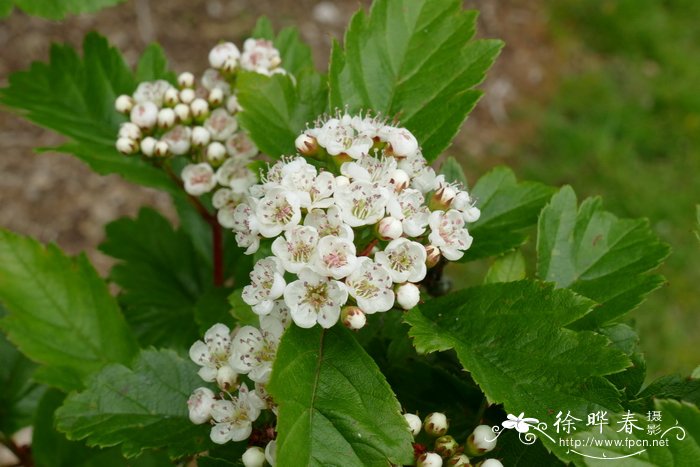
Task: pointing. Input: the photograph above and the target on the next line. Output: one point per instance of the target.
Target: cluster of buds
(353, 223)
(197, 120)
(445, 449)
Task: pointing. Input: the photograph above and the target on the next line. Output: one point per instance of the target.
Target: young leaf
(55, 9)
(143, 408)
(414, 60)
(153, 65)
(594, 253)
(335, 408)
(60, 313)
(507, 268)
(507, 208)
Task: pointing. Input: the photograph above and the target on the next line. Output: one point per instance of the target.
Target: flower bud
(187, 95)
(199, 108)
(171, 97)
(471, 214)
(491, 463)
(127, 145)
(216, 97)
(200, 136)
(414, 423)
(254, 457)
(306, 145)
(446, 446)
(183, 113)
(124, 104)
(432, 256)
(166, 118)
(148, 146)
(161, 149)
(216, 153)
(353, 318)
(199, 404)
(407, 295)
(461, 201)
(443, 196)
(226, 378)
(389, 228)
(129, 130)
(185, 80)
(222, 53)
(400, 180)
(144, 115)
(178, 139)
(402, 142)
(436, 424)
(229, 65)
(481, 441)
(232, 105)
(459, 460)
(429, 459)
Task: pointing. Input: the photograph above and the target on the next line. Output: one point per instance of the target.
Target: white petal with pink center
(178, 139)
(198, 178)
(409, 207)
(448, 234)
(334, 257)
(315, 299)
(151, 91)
(253, 351)
(370, 169)
(235, 174)
(361, 203)
(266, 285)
(245, 225)
(404, 259)
(234, 419)
(200, 404)
(212, 354)
(221, 125)
(260, 55)
(277, 211)
(329, 222)
(296, 248)
(240, 145)
(370, 286)
(297, 177)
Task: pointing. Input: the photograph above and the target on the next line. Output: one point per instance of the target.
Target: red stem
(368, 249)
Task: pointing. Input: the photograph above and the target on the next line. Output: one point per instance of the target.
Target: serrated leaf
(276, 109)
(667, 387)
(143, 408)
(453, 172)
(625, 338)
(335, 408)
(75, 96)
(60, 313)
(507, 209)
(414, 60)
(244, 314)
(161, 278)
(56, 9)
(153, 65)
(507, 268)
(594, 253)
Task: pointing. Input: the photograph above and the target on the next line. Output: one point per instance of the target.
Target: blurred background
(600, 94)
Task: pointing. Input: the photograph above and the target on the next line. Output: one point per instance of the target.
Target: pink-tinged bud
(200, 136)
(183, 113)
(127, 146)
(436, 424)
(199, 108)
(166, 118)
(414, 423)
(446, 446)
(254, 457)
(407, 296)
(459, 460)
(124, 104)
(490, 463)
(306, 145)
(216, 97)
(187, 95)
(432, 256)
(148, 146)
(171, 97)
(400, 180)
(161, 149)
(429, 459)
(129, 130)
(389, 228)
(185, 80)
(226, 378)
(144, 115)
(216, 153)
(353, 318)
(200, 404)
(481, 441)
(222, 53)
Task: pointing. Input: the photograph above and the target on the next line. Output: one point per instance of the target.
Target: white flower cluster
(224, 356)
(362, 231)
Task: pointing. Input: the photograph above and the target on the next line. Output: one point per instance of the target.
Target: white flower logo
(522, 425)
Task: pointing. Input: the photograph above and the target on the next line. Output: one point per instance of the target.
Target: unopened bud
(216, 153)
(200, 136)
(389, 228)
(353, 318)
(166, 118)
(185, 80)
(183, 113)
(459, 460)
(407, 295)
(199, 108)
(161, 149)
(221, 53)
(148, 146)
(254, 457)
(226, 378)
(414, 423)
(230, 65)
(436, 424)
(216, 97)
(429, 459)
(490, 463)
(232, 105)
(446, 446)
(306, 145)
(187, 95)
(400, 180)
(402, 142)
(127, 146)
(129, 130)
(432, 256)
(145, 115)
(443, 196)
(200, 404)
(481, 441)
(171, 97)
(124, 104)
(471, 214)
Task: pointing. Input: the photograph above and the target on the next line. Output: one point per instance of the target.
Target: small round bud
(148, 146)
(129, 130)
(200, 404)
(161, 149)
(185, 80)
(232, 105)
(200, 108)
(429, 459)
(145, 115)
(171, 97)
(446, 446)
(254, 457)
(443, 196)
(229, 65)
(187, 95)
(402, 142)
(166, 118)
(127, 146)
(461, 201)
(353, 318)
(216, 153)
(341, 181)
(471, 214)
(400, 179)
(389, 228)
(481, 441)
(200, 136)
(216, 97)
(432, 256)
(491, 463)
(226, 378)
(408, 296)
(222, 53)
(436, 424)
(124, 104)
(183, 113)
(459, 460)
(414, 423)
(306, 145)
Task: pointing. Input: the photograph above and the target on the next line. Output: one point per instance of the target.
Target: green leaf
(630, 381)
(697, 232)
(75, 97)
(161, 278)
(507, 209)
(453, 172)
(143, 408)
(56, 9)
(60, 313)
(211, 308)
(507, 268)
(414, 60)
(263, 29)
(667, 387)
(276, 110)
(244, 314)
(594, 253)
(153, 65)
(335, 408)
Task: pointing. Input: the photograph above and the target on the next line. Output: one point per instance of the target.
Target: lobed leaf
(55, 9)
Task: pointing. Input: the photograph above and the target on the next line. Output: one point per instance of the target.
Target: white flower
(315, 299)
(266, 285)
(151, 91)
(407, 295)
(254, 456)
(371, 169)
(213, 353)
(260, 55)
(448, 234)
(270, 453)
(296, 248)
(212, 79)
(253, 351)
(221, 125)
(409, 207)
(240, 146)
(224, 55)
(234, 419)
(334, 257)
(235, 174)
(520, 423)
(178, 140)
(361, 203)
(370, 286)
(279, 316)
(328, 222)
(144, 114)
(246, 227)
(198, 178)
(297, 176)
(200, 404)
(414, 423)
(277, 211)
(404, 260)
(339, 137)
(321, 191)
